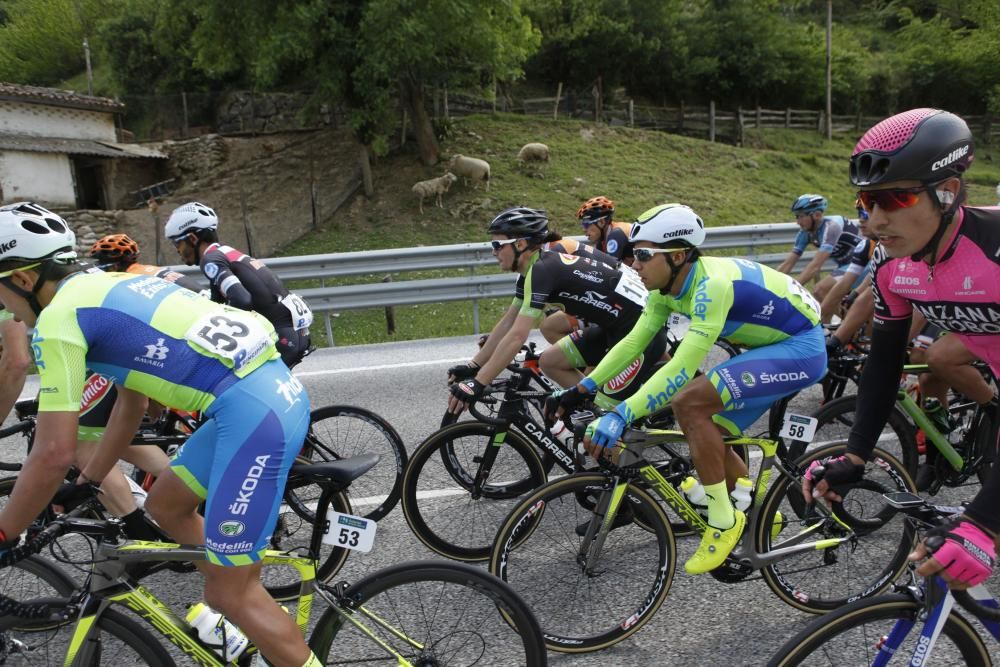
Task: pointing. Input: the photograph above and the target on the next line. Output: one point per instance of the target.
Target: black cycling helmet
(926, 145)
(520, 222)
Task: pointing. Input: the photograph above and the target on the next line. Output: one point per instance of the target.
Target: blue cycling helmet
(809, 204)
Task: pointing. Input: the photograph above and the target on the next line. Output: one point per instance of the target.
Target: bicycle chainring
(731, 572)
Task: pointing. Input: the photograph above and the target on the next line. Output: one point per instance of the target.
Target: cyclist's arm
(630, 347)
(507, 348)
(52, 454)
(814, 266)
(857, 315)
(125, 418)
(840, 289)
(500, 330)
(15, 360)
(227, 284)
(917, 325)
(790, 261)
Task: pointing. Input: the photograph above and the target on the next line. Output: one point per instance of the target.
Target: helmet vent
(893, 132)
(34, 227)
(55, 225)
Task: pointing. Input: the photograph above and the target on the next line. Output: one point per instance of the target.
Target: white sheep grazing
(533, 152)
(434, 186)
(470, 168)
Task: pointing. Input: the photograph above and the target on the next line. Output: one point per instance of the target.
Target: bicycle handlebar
(69, 522)
(19, 427)
(486, 419)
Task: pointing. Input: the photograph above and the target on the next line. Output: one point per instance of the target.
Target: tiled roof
(17, 142)
(57, 97)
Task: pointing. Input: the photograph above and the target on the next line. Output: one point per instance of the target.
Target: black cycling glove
(71, 494)
(463, 371)
(468, 391)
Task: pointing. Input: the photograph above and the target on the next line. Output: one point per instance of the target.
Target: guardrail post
(390, 314)
(475, 307)
(327, 322)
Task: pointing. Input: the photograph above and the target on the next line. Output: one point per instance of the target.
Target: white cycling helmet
(30, 233)
(669, 224)
(190, 217)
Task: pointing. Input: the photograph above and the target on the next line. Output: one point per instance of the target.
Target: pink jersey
(960, 294)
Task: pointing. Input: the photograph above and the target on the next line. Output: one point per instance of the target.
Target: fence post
(680, 127)
(184, 107)
(820, 126)
(631, 112)
(857, 121)
(555, 107)
(757, 120)
(390, 314)
(739, 125)
(437, 102)
(494, 94)
(711, 121)
(788, 118)
(446, 115)
(327, 320)
(402, 132)
(987, 123)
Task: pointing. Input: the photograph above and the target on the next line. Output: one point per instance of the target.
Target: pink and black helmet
(926, 145)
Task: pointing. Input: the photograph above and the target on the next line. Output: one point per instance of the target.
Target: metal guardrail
(471, 287)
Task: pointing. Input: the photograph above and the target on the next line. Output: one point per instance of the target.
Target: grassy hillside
(638, 169)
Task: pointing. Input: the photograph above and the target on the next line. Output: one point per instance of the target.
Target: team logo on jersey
(148, 287)
(701, 300)
(94, 391)
(612, 246)
(568, 259)
(36, 349)
(290, 390)
(670, 388)
(748, 378)
(625, 378)
(155, 354)
(766, 312)
(211, 270)
(248, 486)
(589, 277)
(232, 528)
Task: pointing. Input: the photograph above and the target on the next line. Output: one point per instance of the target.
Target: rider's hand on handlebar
(833, 345)
(564, 401)
(463, 393)
(961, 552)
(824, 476)
(462, 372)
(70, 495)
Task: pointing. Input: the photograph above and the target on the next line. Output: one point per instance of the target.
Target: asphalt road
(702, 621)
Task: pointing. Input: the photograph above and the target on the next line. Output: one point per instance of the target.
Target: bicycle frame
(745, 552)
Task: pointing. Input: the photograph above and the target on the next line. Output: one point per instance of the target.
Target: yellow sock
(720, 507)
(313, 661)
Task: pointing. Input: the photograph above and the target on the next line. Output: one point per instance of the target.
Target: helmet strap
(929, 251)
(32, 296)
(674, 270)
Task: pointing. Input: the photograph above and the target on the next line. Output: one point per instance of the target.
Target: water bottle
(695, 494)
(216, 632)
(742, 494)
(138, 493)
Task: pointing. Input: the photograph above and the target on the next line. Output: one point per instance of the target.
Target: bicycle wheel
(818, 580)
(438, 500)
(117, 640)
(35, 577)
(432, 613)
(583, 609)
(293, 533)
(854, 634)
(836, 419)
(341, 431)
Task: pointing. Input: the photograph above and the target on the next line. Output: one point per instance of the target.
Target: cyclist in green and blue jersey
(743, 302)
(157, 340)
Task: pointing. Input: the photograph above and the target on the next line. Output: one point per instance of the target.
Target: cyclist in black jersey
(557, 322)
(118, 252)
(609, 299)
(239, 280)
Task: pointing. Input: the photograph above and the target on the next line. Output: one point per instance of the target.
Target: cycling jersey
(182, 350)
(747, 304)
(584, 288)
(166, 273)
(835, 235)
(959, 294)
(246, 283)
(573, 247)
(616, 241)
(862, 256)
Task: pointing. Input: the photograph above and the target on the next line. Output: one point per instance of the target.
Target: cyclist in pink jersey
(942, 258)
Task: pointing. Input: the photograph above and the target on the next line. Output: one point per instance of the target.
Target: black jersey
(242, 281)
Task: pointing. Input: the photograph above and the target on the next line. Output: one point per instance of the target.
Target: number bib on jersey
(350, 532)
(239, 338)
(795, 288)
(630, 286)
(302, 317)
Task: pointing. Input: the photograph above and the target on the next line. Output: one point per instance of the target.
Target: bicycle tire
(437, 500)
(492, 613)
(836, 419)
(48, 646)
(818, 580)
(293, 532)
(341, 431)
(825, 642)
(35, 577)
(640, 564)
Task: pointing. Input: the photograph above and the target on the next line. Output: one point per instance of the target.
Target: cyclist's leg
(950, 360)
(292, 345)
(556, 325)
(564, 361)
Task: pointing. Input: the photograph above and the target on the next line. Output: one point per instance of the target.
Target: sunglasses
(497, 245)
(646, 254)
(177, 241)
(890, 200)
(8, 274)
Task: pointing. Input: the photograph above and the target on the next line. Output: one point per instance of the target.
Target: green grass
(638, 169)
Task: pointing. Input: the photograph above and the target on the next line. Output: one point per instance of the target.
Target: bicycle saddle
(344, 471)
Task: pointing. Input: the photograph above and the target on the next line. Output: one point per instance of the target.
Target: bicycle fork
(609, 503)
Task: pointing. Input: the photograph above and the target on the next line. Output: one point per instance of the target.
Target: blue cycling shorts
(238, 461)
(751, 382)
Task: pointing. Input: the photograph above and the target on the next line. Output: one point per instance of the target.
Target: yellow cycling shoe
(777, 526)
(715, 545)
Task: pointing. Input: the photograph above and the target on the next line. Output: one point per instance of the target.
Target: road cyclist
(596, 216)
(155, 339)
(937, 256)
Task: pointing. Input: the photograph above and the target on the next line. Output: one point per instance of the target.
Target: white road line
(381, 367)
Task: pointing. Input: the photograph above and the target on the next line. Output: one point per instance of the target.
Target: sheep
(434, 186)
(470, 168)
(533, 152)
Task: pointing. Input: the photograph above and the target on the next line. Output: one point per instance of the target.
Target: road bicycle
(966, 452)
(917, 624)
(335, 432)
(594, 553)
(421, 613)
